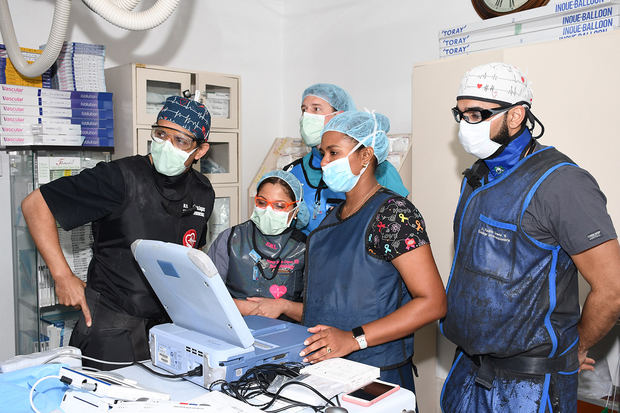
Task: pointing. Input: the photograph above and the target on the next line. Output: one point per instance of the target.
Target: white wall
(368, 47)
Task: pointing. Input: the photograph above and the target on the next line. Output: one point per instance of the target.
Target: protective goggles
(263, 203)
(179, 139)
(474, 116)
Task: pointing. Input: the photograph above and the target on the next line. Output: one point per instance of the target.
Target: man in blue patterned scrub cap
(157, 196)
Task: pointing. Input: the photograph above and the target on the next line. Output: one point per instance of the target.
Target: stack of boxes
(55, 331)
(563, 19)
(8, 73)
(37, 116)
(80, 66)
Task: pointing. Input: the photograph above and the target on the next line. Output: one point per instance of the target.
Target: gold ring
(329, 350)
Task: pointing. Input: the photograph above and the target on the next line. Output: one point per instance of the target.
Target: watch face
(504, 6)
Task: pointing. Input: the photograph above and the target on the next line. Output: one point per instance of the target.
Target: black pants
(112, 336)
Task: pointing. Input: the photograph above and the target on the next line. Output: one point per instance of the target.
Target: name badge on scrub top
(258, 260)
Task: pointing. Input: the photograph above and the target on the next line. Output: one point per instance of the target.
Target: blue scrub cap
(303, 215)
(336, 96)
(368, 128)
(188, 114)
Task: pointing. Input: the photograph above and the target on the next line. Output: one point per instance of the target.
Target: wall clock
(493, 8)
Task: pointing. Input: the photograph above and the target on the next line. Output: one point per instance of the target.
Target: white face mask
(476, 138)
(167, 159)
(271, 222)
(311, 126)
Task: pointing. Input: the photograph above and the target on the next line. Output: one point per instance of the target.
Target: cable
(61, 353)
(257, 380)
(113, 363)
(196, 371)
(290, 383)
(33, 387)
(80, 356)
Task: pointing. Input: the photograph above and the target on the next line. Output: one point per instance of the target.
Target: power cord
(257, 380)
(79, 356)
(34, 386)
(276, 396)
(196, 371)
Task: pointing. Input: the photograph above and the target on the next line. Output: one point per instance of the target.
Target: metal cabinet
(221, 96)
(139, 93)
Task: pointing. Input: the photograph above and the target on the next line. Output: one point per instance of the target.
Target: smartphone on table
(371, 393)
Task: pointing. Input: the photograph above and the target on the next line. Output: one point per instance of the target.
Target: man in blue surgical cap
(320, 103)
(157, 196)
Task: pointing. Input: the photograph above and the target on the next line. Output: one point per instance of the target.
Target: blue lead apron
(346, 287)
(509, 297)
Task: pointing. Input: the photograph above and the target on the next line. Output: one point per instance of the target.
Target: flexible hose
(52, 49)
(117, 12)
(126, 4)
(125, 19)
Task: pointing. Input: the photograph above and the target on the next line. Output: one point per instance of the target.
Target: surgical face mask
(271, 222)
(338, 176)
(167, 159)
(476, 138)
(310, 128)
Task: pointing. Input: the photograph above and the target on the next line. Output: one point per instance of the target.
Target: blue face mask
(338, 176)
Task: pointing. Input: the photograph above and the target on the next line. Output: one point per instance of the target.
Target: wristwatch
(360, 337)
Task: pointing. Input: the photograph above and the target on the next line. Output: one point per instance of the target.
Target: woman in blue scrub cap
(371, 279)
(320, 103)
(262, 259)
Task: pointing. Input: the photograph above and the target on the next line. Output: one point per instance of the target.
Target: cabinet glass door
(24, 257)
(225, 212)
(41, 323)
(220, 94)
(153, 87)
(220, 162)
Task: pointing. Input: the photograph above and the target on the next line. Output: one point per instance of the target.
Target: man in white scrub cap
(527, 220)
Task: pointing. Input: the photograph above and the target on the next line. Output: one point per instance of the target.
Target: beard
(503, 136)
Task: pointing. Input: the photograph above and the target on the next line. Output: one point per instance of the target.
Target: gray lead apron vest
(346, 287)
(509, 294)
(283, 252)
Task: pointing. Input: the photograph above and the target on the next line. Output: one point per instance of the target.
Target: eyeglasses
(179, 139)
(476, 115)
(263, 203)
